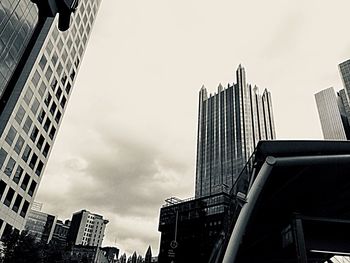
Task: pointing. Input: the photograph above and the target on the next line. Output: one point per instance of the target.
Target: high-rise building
(344, 69)
(40, 225)
(38, 68)
(333, 117)
(18, 20)
(86, 229)
(230, 123)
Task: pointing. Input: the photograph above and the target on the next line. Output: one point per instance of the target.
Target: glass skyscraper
(334, 108)
(34, 101)
(230, 123)
(331, 110)
(18, 19)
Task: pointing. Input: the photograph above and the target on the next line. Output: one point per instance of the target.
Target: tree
(20, 248)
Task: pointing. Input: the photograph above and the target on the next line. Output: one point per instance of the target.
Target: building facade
(34, 99)
(332, 114)
(230, 123)
(86, 229)
(60, 232)
(40, 225)
(344, 69)
(334, 108)
(17, 24)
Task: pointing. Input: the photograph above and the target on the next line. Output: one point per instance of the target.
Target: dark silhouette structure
(294, 204)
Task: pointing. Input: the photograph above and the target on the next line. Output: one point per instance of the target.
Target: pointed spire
(148, 256)
(220, 88)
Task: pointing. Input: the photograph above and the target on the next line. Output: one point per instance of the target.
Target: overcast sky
(128, 138)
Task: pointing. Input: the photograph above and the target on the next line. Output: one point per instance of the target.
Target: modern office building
(38, 68)
(40, 225)
(230, 123)
(344, 69)
(86, 229)
(332, 113)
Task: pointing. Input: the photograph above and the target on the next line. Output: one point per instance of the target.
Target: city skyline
(149, 124)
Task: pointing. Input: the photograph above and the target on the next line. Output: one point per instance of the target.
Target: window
(2, 188)
(3, 155)
(9, 197)
(58, 116)
(34, 133)
(42, 89)
(43, 62)
(9, 167)
(59, 93)
(33, 161)
(36, 78)
(46, 149)
(54, 84)
(24, 209)
(47, 124)
(48, 99)
(20, 114)
(18, 174)
(35, 106)
(52, 132)
(53, 108)
(26, 153)
(28, 96)
(64, 78)
(41, 116)
(27, 125)
(63, 101)
(68, 87)
(48, 73)
(32, 188)
(40, 142)
(39, 169)
(11, 136)
(17, 203)
(19, 144)
(25, 182)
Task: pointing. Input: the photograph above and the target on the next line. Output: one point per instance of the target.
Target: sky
(128, 138)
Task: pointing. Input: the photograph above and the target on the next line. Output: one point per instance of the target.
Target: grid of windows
(30, 132)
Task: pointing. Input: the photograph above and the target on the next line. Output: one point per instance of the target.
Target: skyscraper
(332, 114)
(230, 123)
(36, 82)
(344, 69)
(334, 108)
(86, 229)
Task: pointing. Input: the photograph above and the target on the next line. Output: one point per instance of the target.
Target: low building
(40, 225)
(86, 229)
(191, 229)
(61, 232)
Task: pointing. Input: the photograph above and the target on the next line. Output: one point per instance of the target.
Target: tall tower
(36, 80)
(230, 123)
(332, 112)
(344, 69)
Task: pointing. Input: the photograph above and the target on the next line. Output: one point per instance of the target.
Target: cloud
(124, 180)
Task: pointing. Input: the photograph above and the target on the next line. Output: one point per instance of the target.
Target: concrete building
(60, 232)
(86, 229)
(38, 68)
(230, 123)
(40, 225)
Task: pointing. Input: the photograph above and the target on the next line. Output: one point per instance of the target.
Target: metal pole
(247, 209)
(177, 217)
